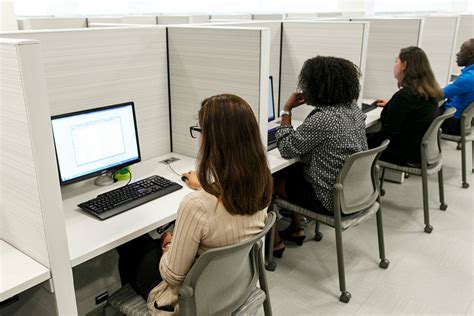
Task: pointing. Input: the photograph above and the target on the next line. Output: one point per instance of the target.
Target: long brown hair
(418, 76)
(233, 165)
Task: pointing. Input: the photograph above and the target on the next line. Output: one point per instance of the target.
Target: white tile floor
(428, 273)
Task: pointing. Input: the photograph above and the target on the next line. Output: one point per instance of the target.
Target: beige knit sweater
(202, 223)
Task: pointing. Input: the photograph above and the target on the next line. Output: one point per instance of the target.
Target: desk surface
(89, 237)
(18, 272)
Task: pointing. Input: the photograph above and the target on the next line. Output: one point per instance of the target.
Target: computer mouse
(184, 178)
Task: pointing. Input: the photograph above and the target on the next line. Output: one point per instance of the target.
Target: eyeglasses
(195, 131)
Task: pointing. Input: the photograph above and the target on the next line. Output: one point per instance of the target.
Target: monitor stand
(105, 179)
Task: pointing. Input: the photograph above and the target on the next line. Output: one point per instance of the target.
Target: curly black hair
(329, 81)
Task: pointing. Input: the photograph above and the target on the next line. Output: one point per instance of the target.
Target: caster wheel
(407, 175)
(384, 263)
(465, 185)
(318, 236)
(382, 192)
(271, 266)
(443, 206)
(345, 297)
(428, 229)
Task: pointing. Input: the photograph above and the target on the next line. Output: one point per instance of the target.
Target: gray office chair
(431, 162)
(222, 281)
(356, 199)
(466, 136)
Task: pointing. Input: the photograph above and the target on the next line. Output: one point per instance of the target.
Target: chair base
(384, 263)
(443, 206)
(428, 229)
(318, 236)
(465, 185)
(382, 192)
(345, 297)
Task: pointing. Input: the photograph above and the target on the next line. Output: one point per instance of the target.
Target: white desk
(18, 272)
(89, 237)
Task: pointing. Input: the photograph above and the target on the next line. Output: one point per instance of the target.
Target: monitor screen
(92, 142)
(271, 106)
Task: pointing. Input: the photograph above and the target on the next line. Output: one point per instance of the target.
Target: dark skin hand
(295, 100)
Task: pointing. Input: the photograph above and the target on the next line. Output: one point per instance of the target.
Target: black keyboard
(271, 140)
(368, 107)
(129, 196)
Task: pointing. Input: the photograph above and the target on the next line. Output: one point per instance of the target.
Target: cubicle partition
(48, 23)
(386, 37)
(465, 31)
(304, 40)
(237, 16)
(206, 61)
(31, 215)
(91, 68)
(437, 40)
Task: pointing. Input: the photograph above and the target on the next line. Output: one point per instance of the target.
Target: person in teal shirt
(460, 93)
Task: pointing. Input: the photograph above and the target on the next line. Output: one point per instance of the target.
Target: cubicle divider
(31, 214)
(206, 61)
(304, 40)
(437, 40)
(386, 38)
(237, 16)
(465, 31)
(45, 23)
(275, 48)
(92, 68)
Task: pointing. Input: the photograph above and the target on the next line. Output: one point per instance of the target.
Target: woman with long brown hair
(408, 114)
(233, 190)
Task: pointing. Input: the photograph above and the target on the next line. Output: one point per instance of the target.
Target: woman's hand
(190, 178)
(166, 241)
(295, 100)
(380, 102)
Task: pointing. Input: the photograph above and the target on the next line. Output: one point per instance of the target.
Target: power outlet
(101, 298)
(169, 160)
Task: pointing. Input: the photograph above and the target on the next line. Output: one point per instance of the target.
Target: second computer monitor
(271, 102)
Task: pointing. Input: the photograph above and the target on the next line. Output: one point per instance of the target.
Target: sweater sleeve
(396, 114)
(459, 86)
(191, 227)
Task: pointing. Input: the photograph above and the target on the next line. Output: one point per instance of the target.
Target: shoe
(287, 234)
(279, 252)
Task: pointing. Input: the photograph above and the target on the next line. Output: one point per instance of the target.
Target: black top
(405, 119)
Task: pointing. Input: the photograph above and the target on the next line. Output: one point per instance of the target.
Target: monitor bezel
(273, 100)
(103, 171)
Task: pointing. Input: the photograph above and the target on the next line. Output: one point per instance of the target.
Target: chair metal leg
(262, 278)
(345, 295)
(465, 185)
(270, 264)
(317, 234)
(382, 177)
(384, 263)
(426, 209)
(443, 206)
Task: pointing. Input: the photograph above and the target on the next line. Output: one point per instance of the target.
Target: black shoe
(287, 234)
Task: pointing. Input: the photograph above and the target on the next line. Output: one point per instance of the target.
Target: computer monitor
(94, 142)
(271, 103)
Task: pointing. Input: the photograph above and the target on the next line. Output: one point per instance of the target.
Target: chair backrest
(466, 118)
(357, 186)
(222, 279)
(430, 143)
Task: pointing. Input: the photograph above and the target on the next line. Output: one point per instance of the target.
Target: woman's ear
(404, 65)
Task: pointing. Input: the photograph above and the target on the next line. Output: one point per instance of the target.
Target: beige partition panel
(268, 16)
(139, 19)
(304, 40)
(173, 19)
(104, 19)
(206, 61)
(92, 68)
(465, 31)
(437, 40)
(243, 16)
(48, 23)
(275, 49)
(386, 38)
(31, 214)
(301, 15)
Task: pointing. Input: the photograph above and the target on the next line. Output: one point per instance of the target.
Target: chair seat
(432, 169)
(457, 138)
(346, 221)
(128, 302)
(253, 303)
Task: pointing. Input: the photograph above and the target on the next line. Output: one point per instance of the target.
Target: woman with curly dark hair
(333, 131)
